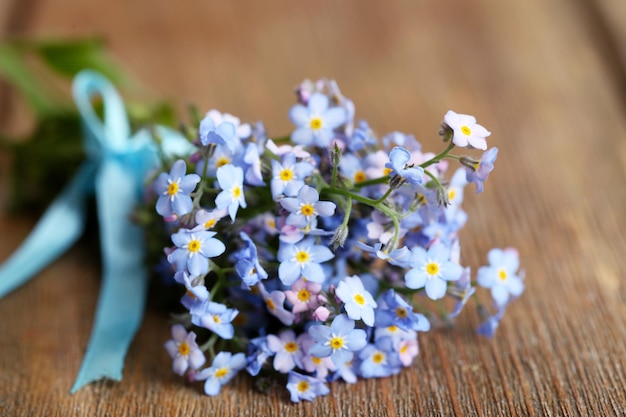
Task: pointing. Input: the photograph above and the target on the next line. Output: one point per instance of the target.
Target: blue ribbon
(115, 170)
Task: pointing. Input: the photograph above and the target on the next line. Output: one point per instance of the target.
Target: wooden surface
(547, 77)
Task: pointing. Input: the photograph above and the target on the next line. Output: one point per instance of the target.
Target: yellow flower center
(302, 256)
(401, 312)
(315, 123)
(303, 386)
(451, 194)
(315, 360)
(221, 373)
(210, 223)
(172, 189)
(236, 191)
(184, 349)
(291, 347)
(392, 329)
(336, 342)
(360, 176)
(432, 268)
(466, 130)
(286, 174)
(216, 319)
(378, 358)
(194, 245)
(387, 171)
(270, 304)
(222, 161)
(404, 348)
(359, 299)
(307, 210)
(502, 275)
(304, 295)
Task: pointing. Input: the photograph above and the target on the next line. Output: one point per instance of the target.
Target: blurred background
(547, 78)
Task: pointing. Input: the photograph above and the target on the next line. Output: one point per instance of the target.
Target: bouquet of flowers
(320, 255)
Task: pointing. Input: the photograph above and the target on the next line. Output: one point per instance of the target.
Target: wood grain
(538, 74)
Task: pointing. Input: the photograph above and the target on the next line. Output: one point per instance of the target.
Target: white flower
(466, 131)
(359, 303)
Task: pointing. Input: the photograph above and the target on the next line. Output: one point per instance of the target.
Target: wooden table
(548, 78)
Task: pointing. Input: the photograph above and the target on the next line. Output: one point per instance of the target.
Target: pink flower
(184, 350)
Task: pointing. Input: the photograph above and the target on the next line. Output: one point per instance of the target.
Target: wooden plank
(532, 72)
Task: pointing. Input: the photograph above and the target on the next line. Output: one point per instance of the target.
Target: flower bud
(446, 132)
(339, 237)
(335, 154)
(470, 162)
(442, 197)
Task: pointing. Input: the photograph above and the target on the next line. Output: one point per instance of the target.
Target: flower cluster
(319, 256)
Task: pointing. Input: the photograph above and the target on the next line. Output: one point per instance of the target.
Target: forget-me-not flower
(501, 275)
(287, 349)
(316, 122)
(358, 302)
(398, 159)
(306, 207)
(184, 350)
(466, 131)
(225, 366)
(339, 340)
(394, 310)
(304, 387)
(230, 179)
(379, 360)
(174, 190)
(215, 317)
(193, 250)
(479, 170)
(247, 263)
(431, 269)
(302, 259)
(288, 175)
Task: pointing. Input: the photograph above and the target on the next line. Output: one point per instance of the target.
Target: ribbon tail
(60, 226)
(124, 286)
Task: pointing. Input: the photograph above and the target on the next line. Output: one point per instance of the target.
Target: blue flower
(302, 259)
(247, 262)
(398, 257)
(215, 317)
(258, 353)
(432, 269)
(304, 387)
(501, 275)
(287, 349)
(174, 190)
(225, 366)
(363, 136)
(288, 175)
(316, 122)
(306, 207)
(479, 171)
(395, 311)
(358, 302)
(220, 133)
(194, 248)
(230, 179)
(398, 158)
(462, 290)
(339, 341)
(379, 360)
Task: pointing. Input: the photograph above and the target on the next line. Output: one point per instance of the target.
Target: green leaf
(68, 57)
(14, 70)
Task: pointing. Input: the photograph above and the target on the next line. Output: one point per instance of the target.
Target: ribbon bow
(115, 170)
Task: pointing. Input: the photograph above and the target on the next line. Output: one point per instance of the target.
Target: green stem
(373, 181)
(435, 159)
